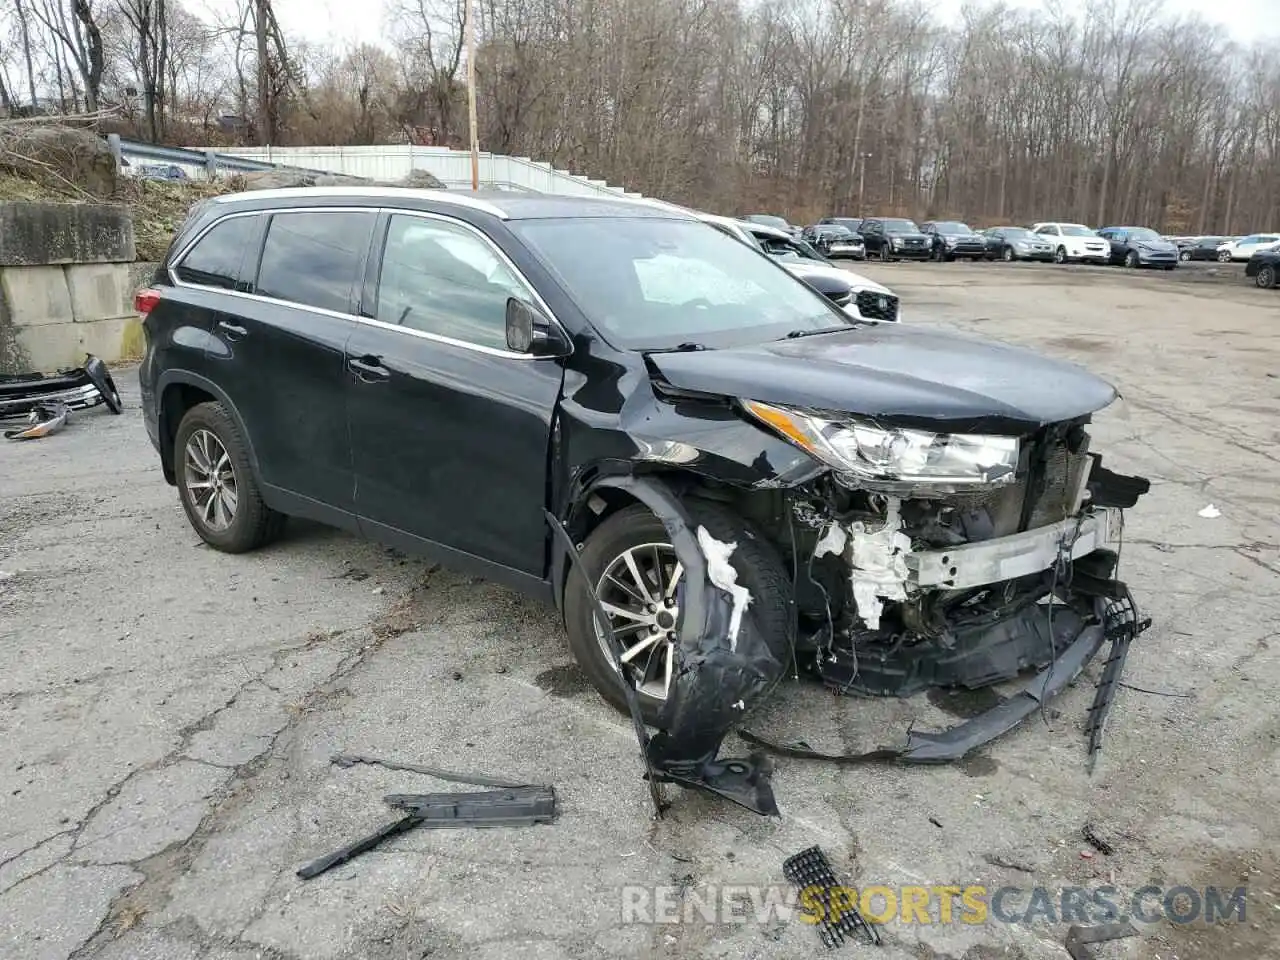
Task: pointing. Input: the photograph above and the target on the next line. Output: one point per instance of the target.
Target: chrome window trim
(370, 321)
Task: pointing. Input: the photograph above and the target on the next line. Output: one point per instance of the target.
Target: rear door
(450, 430)
(282, 357)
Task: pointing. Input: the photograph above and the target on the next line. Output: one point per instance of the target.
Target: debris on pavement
(837, 917)
(46, 417)
(78, 387)
(1008, 863)
(1091, 837)
(1210, 512)
(512, 805)
(1079, 938)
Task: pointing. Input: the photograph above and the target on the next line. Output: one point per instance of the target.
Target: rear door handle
(232, 331)
(369, 369)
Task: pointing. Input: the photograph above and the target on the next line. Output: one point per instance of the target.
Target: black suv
(749, 474)
(893, 238)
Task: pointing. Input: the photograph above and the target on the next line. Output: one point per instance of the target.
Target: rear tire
(1266, 277)
(759, 567)
(208, 449)
(1184, 256)
(1224, 256)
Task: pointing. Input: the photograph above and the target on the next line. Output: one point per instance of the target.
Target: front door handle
(232, 331)
(369, 369)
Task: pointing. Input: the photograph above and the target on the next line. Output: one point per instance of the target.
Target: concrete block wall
(67, 278)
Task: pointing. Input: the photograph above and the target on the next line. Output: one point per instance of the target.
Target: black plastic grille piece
(810, 871)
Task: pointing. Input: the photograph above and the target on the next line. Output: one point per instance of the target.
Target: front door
(450, 431)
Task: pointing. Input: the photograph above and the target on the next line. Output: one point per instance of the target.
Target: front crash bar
(1018, 555)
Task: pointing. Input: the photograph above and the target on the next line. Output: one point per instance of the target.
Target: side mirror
(528, 331)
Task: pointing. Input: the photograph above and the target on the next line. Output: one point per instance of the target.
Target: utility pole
(470, 30)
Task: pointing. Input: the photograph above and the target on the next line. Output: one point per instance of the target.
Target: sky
(351, 22)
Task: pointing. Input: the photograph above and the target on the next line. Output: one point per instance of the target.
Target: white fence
(451, 167)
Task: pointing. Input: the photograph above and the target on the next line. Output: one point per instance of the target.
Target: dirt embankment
(43, 161)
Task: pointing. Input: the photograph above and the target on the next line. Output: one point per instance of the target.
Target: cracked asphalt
(168, 714)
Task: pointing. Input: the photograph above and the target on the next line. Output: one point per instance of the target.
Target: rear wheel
(1266, 277)
(216, 483)
(640, 579)
(1184, 256)
(1224, 256)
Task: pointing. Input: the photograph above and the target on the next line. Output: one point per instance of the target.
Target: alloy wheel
(1224, 257)
(210, 479)
(1266, 277)
(640, 591)
(1060, 255)
(1185, 255)
(1130, 259)
(1008, 254)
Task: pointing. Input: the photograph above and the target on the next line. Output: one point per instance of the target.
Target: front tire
(637, 533)
(1131, 260)
(1184, 256)
(1008, 256)
(1060, 255)
(1266, 277)
(216, 483)
(884, 253)
(1224, 256)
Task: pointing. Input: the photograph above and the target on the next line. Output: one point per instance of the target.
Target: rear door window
(216, 258)
(314, 258)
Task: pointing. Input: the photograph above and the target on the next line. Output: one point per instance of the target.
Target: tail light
(144, 301)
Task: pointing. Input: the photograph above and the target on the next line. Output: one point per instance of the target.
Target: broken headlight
(869, 451)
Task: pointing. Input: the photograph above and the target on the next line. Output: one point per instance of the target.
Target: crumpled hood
(912, 375)
(855, 280)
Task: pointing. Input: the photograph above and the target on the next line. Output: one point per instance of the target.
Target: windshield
(792, 250)
(951, 226)
(834, 230)
(900, 226)
(1144, 233)
(1075, 230)
(1018, 233)
(849, 223)
(652, 284)
(768, 221)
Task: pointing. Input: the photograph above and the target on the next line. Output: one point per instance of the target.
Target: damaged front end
(959, 560)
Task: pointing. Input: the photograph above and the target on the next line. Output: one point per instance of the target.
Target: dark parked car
(1264, 267)
(892, 238)
(834, 241)
(952, 239)
(474, 376)
(1202, 248)
(1016, 243)
(769, 220)
(1140, 247)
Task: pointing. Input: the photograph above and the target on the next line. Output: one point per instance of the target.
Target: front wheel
(1266, 278)
(1008, 256)
(640, 580)
(1224, 256)
(1060, 255)
(216, 483)
(884, 253)
(1184, 256)
(1131, 260)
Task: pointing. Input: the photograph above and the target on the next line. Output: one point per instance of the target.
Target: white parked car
(1246, 247)
(867, 300)
(1074, 241)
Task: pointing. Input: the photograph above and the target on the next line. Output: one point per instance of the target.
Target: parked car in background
(951, 239)
(857, 295)
(1203, 248)
(849, 223)
(1264, 267)
(834, 241)
(1246, 247)
(769, 220)
(1016, 243)
(1074, 241)
(893, 238)
(1140, 247)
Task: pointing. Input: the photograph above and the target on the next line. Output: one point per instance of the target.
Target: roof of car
(502, 204)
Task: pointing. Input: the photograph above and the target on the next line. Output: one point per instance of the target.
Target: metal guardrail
(210, 160)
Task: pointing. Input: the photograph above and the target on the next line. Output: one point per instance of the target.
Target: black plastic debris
(1080, 938)
(46, 417)
(78, 387)
(518, 805)
(1090, 834)
(838, 920)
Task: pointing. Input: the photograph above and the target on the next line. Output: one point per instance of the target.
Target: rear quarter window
(216, 258)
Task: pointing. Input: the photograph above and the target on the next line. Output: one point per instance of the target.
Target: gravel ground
(167, 713)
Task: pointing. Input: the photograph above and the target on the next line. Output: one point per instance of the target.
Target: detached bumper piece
(838, 920)
(44, 401)
(509, 807)
(46, 417)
